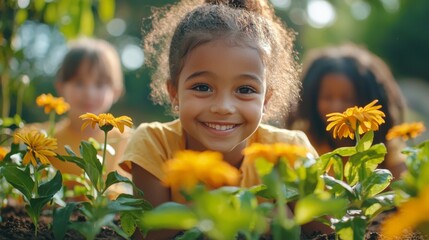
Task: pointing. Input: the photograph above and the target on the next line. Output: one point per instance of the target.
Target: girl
(229, 64)
(90, 80)
(336, 78)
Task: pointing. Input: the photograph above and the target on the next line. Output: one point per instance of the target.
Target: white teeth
(219, 127)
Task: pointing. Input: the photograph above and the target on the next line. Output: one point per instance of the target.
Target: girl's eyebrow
(250, 76)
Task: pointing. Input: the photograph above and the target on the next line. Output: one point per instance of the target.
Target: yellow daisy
(273, 152)
(50, 103)
(106, 121)
(406, 130)
(3, 152)
(39, 147)
(355, 119)
(408, 217)
(189, 168)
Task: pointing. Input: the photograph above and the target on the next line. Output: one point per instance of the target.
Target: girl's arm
(154, 192)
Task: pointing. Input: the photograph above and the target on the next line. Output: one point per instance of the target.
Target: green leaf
(312, 207)
(192, 234)
(117, 229)
(36, 205)
(106, 10)
(50, 15)
(376, 183)
(128, 223)
(38, 5)
(345, 151)
(247, 200)
(130, 200)
(115, 177)
(351, 229)
(263, 167)
(365, 142)
(61, 221)
(379, 203)
(92, 165)
(21, 16)
(169, 215)
(87, 22)
(257, 188)
(338, 187)
(51, 187)
(337, 166)
(20, 180)
(69, 151)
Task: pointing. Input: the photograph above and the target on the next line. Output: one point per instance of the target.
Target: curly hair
(178, 29)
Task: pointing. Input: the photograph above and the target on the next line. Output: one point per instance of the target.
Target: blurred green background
(34, 34)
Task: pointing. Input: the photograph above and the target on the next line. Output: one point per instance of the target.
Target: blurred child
(90, 80)
(222, 65)
(336, 78)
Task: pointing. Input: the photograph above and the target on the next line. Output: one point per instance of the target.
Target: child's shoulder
(157, 128)
(267, 134)
(270, 134)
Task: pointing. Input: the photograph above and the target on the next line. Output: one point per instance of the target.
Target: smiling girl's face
(221, 95)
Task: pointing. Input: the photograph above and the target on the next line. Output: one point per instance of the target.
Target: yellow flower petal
(39, 146)
(49, 103)
(360, 119)
(406, 131)
(189, 168)
(106, 119)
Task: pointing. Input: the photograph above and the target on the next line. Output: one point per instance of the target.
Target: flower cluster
(273, 152)
(188, 168)
(355, 120)
(50, 103)
(406, 130)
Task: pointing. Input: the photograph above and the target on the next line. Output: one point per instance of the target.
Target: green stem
(51, 130)
(5, 93)
(357, 133)
(36, 182)
(280, 199)
(104, 149)
(19, 99)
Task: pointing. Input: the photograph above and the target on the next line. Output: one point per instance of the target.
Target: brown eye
(246, 90)
(201, 88)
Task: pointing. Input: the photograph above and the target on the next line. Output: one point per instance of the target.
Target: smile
(220, 127)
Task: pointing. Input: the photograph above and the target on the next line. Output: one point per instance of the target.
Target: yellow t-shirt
(152, 144)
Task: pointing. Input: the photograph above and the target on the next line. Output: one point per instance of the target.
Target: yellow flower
(406, 130)
(273, 152)
(106, 121)
(356, 118)
(188, 168)
(3, 152)
(39, 146)
(50, 103)
(408, 217)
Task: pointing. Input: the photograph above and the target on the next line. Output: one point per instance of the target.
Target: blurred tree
(71, 17)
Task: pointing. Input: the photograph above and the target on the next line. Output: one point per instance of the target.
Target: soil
(16, 224)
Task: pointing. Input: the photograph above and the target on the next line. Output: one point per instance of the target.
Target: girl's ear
(172, 93)
(268, 95)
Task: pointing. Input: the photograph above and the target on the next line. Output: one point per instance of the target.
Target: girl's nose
(223, 105)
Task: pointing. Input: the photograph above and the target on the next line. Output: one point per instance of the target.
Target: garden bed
(15, 224)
